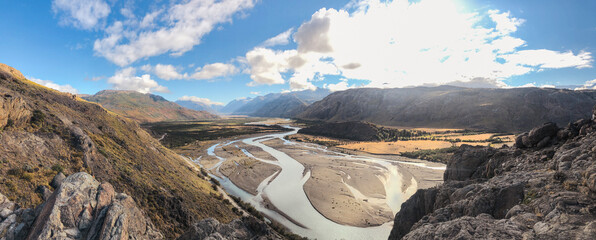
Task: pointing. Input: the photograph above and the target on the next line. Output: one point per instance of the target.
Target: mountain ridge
(502, 110)
(145, 107)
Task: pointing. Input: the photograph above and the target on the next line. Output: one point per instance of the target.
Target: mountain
(543, 188)
(234, 105)
(44, 132)
(503, 110)
(146, 107)
(280, 104)
(198, 106)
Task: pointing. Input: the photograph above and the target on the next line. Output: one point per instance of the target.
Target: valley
(311, 190)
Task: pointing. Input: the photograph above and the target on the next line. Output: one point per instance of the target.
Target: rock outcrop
(81, 208)
(247, 227)
(543, 188)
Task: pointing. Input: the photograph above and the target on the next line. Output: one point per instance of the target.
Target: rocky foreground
(83, 208)
(543, 188)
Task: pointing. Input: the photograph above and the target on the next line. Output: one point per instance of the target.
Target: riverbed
(283, 196)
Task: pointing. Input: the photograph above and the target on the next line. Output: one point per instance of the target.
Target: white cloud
(184, 26)
(591, 84)
(52, 85)
(205, 101)
(167, 72)
(397, 44)
(255, 93)
(209, 71)
(214, 70)
(543, 58)
(340, 86)
(83, 14)
(266, 65)
(281, 39)
(125, 79)
(506, 24)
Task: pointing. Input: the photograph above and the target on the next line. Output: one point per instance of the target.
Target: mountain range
(284, 105)
(503, 110)
(199, 106)
(145, 107)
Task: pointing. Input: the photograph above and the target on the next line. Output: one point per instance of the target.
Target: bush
(58, 168)
(17, 172)
(38, 118)
(9, 123)
(214, 181)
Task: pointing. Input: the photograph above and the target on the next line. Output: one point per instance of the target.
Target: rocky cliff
(543, 188)
(501, 110)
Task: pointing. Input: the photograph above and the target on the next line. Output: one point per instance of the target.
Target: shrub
(17, 172)
(37, 118)
(58, 168)
(214, 181)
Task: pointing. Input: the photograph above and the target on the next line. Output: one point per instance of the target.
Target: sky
(215, 51)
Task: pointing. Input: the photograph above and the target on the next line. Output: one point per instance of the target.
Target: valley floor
(351, 190)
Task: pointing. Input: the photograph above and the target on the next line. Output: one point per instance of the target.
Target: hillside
(501, 110)
(544, 188)
(43, 132)
(357, 131)
(277, 104)
(146, 107)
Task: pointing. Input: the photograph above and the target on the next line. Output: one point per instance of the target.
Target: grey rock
(466, 162)
(57, 180)
(44, 191)
(246, 227)
(80, 209)
(511, 193)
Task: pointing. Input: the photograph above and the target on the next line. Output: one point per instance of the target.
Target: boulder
(57, 180)
(538, 137)
(82, 208)
(464, 164)
(44, 192)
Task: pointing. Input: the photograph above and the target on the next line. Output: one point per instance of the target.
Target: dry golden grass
(395, 147)
(476, 137)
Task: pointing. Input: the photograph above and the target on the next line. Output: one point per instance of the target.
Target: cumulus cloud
(209, 71)
(214, 70)
(340, 86)
(83, 14)
(126, 79)
(183, 27)
(591, 84)
(205, 101)
(165, 72)
(52, 85)
(281, 39)
(397, 44)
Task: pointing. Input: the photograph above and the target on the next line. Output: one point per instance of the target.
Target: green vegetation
(177, 134)
(435, 155)
(58, 168)
(249, 208)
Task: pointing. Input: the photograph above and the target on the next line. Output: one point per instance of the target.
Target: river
(286, 193)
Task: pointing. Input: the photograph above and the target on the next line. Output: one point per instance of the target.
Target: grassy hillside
(43, 131)
(146, 107)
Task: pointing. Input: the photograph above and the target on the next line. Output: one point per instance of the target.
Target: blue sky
(221, 50)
